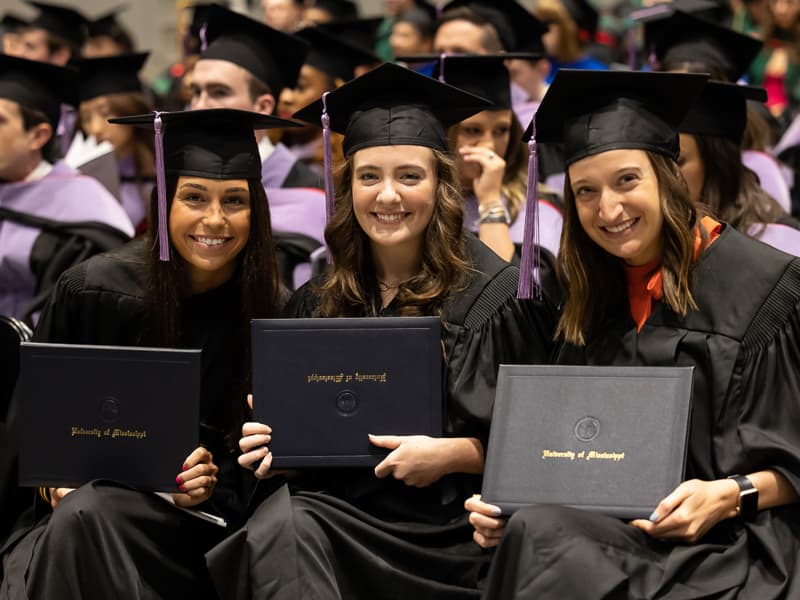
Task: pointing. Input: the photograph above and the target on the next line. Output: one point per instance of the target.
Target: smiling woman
(399, 248)
(206, 267)
(648, 282)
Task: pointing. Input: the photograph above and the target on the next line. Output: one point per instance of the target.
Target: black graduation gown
(153, 549)
(744, 342)
(346, 534)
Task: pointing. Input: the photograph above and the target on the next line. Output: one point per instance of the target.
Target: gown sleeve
(761, 419)
(498, 329)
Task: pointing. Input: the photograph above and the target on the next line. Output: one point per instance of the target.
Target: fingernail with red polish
(178, 480)
(184, 467)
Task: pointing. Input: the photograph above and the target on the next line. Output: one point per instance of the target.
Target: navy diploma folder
(607, 439)
(322, 385)
(102, 412)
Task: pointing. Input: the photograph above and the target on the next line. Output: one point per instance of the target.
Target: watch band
(748, 497)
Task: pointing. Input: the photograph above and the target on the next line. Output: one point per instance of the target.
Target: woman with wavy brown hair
(398, 248)
(649, 282)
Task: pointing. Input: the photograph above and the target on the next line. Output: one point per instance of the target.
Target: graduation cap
(595, 111)
(388, 106)
(721, 110)
(11, 22)
(215, 143)
(37, 85)
(338, 9)
(360, 32)
(109, 75)
(484, 75)
(271, 56)
(684, 38)
(585, 17)
(518, 29)
(60, 20)
(105, 23)
(334, 56)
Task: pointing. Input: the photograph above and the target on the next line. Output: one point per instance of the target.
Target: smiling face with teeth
(618, 203)
(209, 225)
(394, 194)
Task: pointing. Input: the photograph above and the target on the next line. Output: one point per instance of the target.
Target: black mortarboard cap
(338, 9)
(37, 85)
(584, 15)
(334, 56)
(104, 23)
(109, 75)
(682, 37)
(215, 143)
(484, 75)
(271, 56)
(595, 111)
(11, 22)
(59, 20)
(360, 32)
(518, 29)
(392, 105)
(721, 110)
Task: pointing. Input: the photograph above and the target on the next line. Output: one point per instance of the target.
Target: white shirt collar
(265, 148)
(42, 170)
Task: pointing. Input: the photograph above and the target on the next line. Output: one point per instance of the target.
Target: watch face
(748, 504)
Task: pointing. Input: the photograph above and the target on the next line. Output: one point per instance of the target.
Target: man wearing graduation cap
(245, 66)
(31, 93)
(55, 35)
(107, 37)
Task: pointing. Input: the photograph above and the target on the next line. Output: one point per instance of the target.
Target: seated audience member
(106, 539)
(399, 248)
(52, 216)
(55, 35)
(648, 282)
(110, 87)
(711, 163)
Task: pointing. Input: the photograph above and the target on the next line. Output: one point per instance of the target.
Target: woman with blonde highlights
(651, 283)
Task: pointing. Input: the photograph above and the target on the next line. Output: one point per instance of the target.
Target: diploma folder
(102, 412)
(607, 439)
(324, 384)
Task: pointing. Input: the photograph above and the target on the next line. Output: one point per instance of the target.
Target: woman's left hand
(197, 480)
(691, 510)
(488, 184)
(417, 460)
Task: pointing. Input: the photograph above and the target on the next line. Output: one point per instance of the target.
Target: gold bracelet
(44, 493)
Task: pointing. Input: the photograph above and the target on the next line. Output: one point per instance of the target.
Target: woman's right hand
(255, 452)
(485, 518)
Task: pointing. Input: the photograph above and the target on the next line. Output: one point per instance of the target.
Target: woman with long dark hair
(711, 163)
(649, 282)
(399, 248)
(195, 281)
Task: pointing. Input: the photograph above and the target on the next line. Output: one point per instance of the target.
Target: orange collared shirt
(645, 282)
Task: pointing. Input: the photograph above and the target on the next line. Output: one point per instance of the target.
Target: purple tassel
(442, 56)
(530, 263)
(330, 201)
(632, 49)
(66, 127)
(203, 39)
(161, 185)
